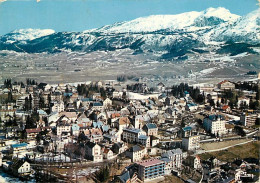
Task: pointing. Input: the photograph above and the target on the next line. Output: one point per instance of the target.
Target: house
(57, 106)
(17, 148)
(32, 133)
(1, 159)
(150, 129)
(226, 85)
(20, 167)
(132, 134)
(226, 108)
(86, 102)
(119, 148)
(191, 143)
(215, 124)
(161, 87)
(187, 131)
(75, 129)
(248, 119)
(138, 120)
(107, 103)
(154, 141)
(93, 152)
(136, 153)
(63, 128)
(150, 169)
(14, 131)
(173, 158)
(117, 94)
(72, 116)
(144, 140)
(127, 177)
(107, 153)
(97, 106)
(53, 117)
(206, 87)
(191, 107)
(96, 96)
(120, 124)
(243, 176)
(193, 161)
(243, 102)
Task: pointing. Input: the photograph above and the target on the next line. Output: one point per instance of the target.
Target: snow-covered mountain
(185, 21)
(170, 36)
(27, 35)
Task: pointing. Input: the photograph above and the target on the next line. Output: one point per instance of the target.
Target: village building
(215, 124)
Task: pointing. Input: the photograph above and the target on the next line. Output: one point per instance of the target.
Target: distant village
(129, 132)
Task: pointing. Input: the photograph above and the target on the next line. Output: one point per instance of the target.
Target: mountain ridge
(170, 36)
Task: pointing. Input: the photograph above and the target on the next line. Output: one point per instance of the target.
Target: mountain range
(167, 36)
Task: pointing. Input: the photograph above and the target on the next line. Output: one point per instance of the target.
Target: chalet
(193, 161)
(107, 153)
(20, 167)
(226, 85)
(32, 133)
(93, 152)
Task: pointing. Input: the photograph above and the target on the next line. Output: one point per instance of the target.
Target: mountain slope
(166, 36)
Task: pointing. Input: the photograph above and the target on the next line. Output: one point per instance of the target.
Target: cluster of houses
(98, 128)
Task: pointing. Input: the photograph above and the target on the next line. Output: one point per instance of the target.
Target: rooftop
(149, 162)
(133, 130)
(19, 145)
(151, 125)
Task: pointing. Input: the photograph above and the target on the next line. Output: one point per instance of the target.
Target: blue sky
(79, 15)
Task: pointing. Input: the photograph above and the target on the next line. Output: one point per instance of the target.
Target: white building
(191, 143)
(93, 152)
(248, 119)
(215, 124)
(57, 106)
(66, 128)
(107, 153)
(21, 167)
(136, 153)
(136, 135)
(173, 160)
(132, 134)
(107, 103)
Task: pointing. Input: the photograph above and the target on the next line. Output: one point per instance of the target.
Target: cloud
(2, 1)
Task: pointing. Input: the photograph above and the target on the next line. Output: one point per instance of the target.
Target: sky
(80, 15)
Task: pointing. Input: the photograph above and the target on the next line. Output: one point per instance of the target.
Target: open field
(219, 145)
(100, 65)
(249, 150)
(170, 179)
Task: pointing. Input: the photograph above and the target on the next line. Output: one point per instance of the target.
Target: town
(127, 132)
